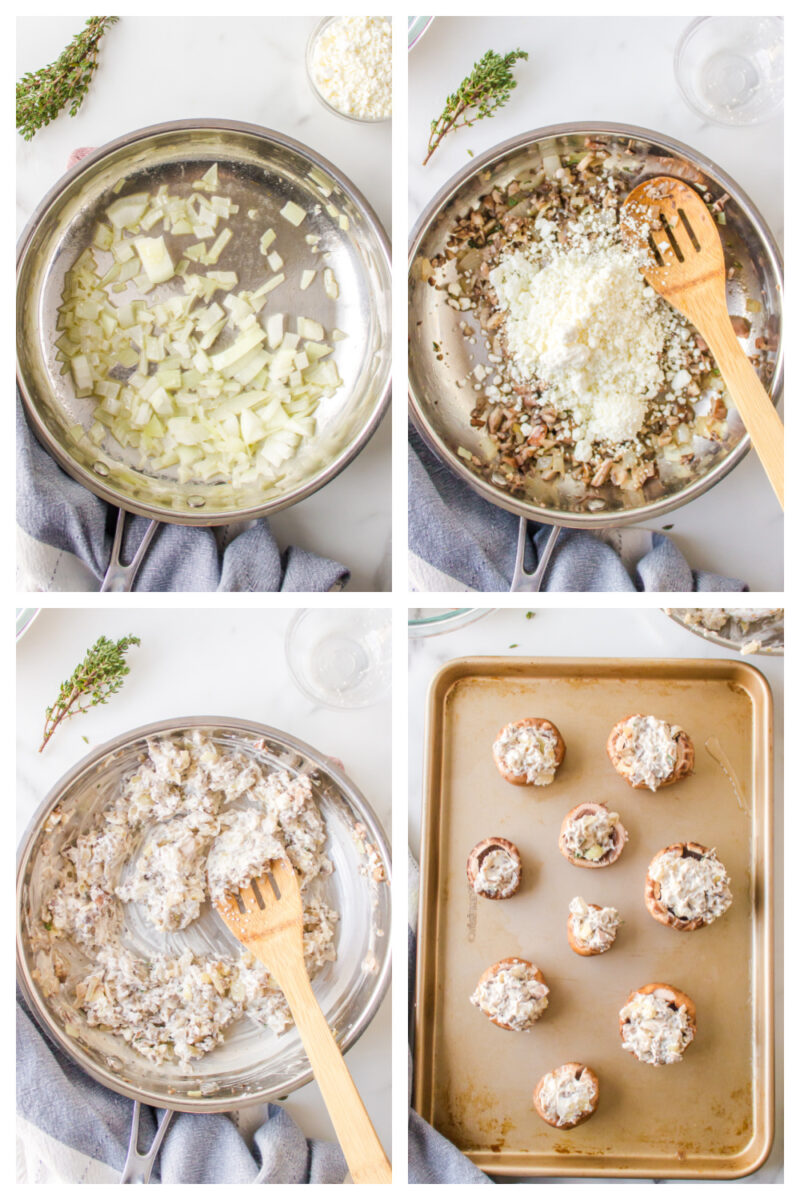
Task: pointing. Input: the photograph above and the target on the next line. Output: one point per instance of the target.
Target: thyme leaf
(42, 94)
(101, 673)
(486, 89)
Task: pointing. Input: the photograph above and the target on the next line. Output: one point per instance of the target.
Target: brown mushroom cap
(579, 1069)
(476, 857)
(669, 993)
(652, 890)
(508, 962)
(576, 944)
(539, 723)
(611, 856)
(684, 763)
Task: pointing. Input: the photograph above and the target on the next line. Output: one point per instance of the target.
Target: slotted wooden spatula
(269, 921)
(668, 219)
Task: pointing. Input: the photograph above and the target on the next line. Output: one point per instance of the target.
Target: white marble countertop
(220, 662)
(155, 69)
(599, 633)
(611, 69)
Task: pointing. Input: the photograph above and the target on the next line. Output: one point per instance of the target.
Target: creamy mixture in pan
(194, 822)
(717, 618)
(736, 624)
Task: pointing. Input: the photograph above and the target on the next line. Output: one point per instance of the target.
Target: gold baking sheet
(710, 1116)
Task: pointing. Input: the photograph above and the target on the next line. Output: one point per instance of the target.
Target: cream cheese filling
(169, 841)
(648, 750)
(512, 995)
(498, 872)
(565, 1098)
(692, 887)
(595, 928)
(654, 1030)
(592, 835)
(529, 751)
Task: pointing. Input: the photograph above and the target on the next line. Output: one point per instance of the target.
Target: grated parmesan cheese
(351, 66)
(583, 322)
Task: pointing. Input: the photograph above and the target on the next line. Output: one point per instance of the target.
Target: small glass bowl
(337, 112)
(730, 69)
(425, 622)
(417, 26)
(341, 657)
(25, 618)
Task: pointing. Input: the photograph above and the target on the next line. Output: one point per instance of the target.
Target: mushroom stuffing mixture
(587, 376)
(194, 822)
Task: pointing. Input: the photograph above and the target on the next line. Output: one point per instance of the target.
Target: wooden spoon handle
(752, 402)
(359, 1141)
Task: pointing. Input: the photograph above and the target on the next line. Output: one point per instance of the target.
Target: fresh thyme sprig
(485, 90)
(101, 673)
(42, 94)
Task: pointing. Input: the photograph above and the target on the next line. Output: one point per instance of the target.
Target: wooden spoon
(269, 921)
(667, 218)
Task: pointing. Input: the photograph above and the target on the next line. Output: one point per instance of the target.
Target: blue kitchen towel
(459, 542)
(61, 519)
(73, 1130)
(431, 1158)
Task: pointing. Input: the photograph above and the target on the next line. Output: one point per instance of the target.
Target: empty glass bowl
(423, 622)
(730, 69)
(341, 657)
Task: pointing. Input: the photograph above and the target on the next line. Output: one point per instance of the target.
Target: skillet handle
(120, 576)
(138, 1166)
(531, 581)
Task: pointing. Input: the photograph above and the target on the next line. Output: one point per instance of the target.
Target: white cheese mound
(585, 324)
(351, 65)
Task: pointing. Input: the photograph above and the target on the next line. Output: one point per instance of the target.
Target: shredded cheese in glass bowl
(349, 61)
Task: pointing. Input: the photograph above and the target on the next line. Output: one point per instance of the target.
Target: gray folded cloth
(431, 1158)
(458, 542)
(74, 1130)
(55, 510)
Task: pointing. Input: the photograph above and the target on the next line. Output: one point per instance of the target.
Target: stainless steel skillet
(250, 1066)
(259, 169)
(440, 356)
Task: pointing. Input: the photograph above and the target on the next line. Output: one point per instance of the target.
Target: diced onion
(293, 213)
(214, 388)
